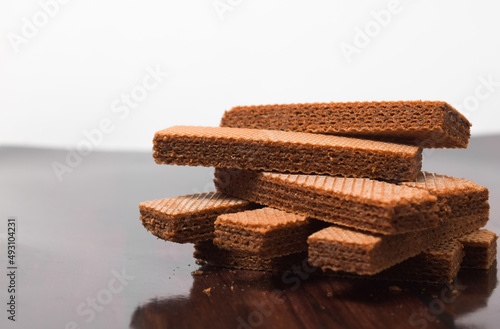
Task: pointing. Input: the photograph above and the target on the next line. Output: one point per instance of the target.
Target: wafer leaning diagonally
(342, 249)
(188, 218)
(295, 152)
(355, 202)
(463, 208)
(423, 123)
(438, 264)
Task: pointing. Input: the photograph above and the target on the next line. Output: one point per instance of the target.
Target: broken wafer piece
(215, 256)
(188, 218)
(360, 203)
(437, 264)
(273, 150)
(430, 124)
(342, 249)
(480, 249)
(265, 232)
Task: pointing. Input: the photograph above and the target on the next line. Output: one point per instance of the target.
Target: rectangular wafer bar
(215, 256)
(455, 196)
(342, 249)
(272, 150)
(355, 202)
(480, 249)
(431, 124)
(438, 264)
(265, 232)
(188, 218)
(463, 208)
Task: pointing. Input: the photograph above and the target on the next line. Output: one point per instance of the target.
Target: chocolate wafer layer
(215, 256)
(272, 150)
(342, 249)
(480, 249)
(437, 264)
(355, 202)
(455, 196)
(266, 232)
(188, 218)
(423, 123)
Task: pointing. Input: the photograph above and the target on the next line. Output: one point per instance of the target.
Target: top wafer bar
(423, 123)
(295, 152)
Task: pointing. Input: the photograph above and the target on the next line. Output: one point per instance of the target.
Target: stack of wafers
(336, 186)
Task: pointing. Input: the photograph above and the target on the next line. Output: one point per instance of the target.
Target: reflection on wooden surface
(224, 298)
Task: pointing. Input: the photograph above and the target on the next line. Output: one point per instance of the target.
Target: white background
(66, 75)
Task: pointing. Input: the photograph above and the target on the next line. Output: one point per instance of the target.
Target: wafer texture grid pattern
(431, 124)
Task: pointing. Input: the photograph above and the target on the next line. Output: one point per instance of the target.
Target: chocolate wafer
(455, 196)
(296, 152)
(480, 249)
(423, 123)
(355, 202)
(188, 218)
(342, 249)
(265, 232)
(437, 264)
(215, 256)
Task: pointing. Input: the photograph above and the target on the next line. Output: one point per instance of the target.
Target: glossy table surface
(85, 261)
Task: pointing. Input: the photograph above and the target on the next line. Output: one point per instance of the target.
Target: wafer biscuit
(215, 256)
(286, 151)
(480, 249)
(455, 196)
(188, 218)
(423, 123)
(355, 202)
(266, 232)
(438, 264)
(342, 249)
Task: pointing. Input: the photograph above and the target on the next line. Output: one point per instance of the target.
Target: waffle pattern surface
(355, 202)
(188, 218)
(423, 123)
(456, 196)
(286, 152)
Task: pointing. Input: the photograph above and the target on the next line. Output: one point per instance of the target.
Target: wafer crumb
(232, 288)
(197, 272)
(208, 291)
(200, 262)
(329, 294)
(394, 288)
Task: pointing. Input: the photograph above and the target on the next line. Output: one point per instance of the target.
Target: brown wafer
(463, 205)
(266, 232)
(188, 218)
(342, 249)
(437, 264)
(286, 151)
(355, 202)
(480, 249)
(422, 123)
(215, 256)
(455, 196)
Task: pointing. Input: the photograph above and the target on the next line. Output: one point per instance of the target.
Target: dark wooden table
(85, 261)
